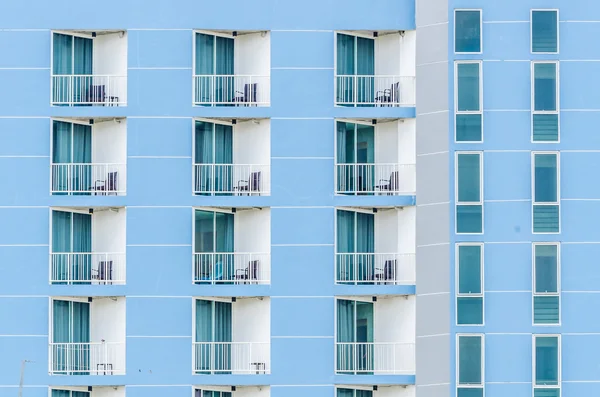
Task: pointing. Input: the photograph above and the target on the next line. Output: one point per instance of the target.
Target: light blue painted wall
(159, 200)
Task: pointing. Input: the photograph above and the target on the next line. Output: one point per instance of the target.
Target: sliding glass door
(213, 157)
(71, 331)
(213, 333)
(355, 70)
(72, 55)
(355, 158)
(214, 68)
(71, 247)
(355, 247)
(354, 337)
(71, 158)
(69, 393)
(353, 393)
(214, 246)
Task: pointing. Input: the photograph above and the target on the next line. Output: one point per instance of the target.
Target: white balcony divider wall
(107, 256)
(104, 354)
(107, 83)
(97, 391)
(109, 145)
(251, 65)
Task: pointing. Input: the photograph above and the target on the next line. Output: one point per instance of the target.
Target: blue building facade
(208, 198)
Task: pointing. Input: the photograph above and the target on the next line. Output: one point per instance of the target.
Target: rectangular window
(544, 31)
(546, 195)
(467, 31)
(546, 362)
(468, 102)
(469, 193)
(469, 291)
(546, 284)
(545, 102)
(470, 368)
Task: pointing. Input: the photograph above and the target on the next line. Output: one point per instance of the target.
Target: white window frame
(459, 203)
(480, 30)
(557, 89)
(557, 31)
(534, 359)
(51, 314)
(457, 283)
(557, 202)
(480, 385)
(558, 282)
(463, 112)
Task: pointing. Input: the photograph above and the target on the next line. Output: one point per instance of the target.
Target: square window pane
(546, 360)
(546, 268)
(469, 311)
(546, 309)
(546, 393)
(469, 219)
(468, 87)
(544, 31)
(469, 360)
(469, 269)
(546, 219)
(467, 25)
(469, 392)
(546, 178)
(544, 84)
(468, 128)
(469, 178)
(545, 127)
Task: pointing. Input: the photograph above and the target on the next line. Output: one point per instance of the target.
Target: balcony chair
(107, 186)
(389, 185)
(249, 274)
(388, 96)
(251, 185)
(387, 273)
(104, 273)
(247, 97)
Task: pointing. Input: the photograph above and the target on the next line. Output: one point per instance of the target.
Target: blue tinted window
(546, 309)
(546, 268)
(544, 84)
(469, 218)
(469, 269)
(546, 219)
(467, 25)
(544, 31)
(469, 311)
(468, 87)
(469, 177)
(469, 360)
(468, 127)
(546, 361)
(545, 127)
(546, 178)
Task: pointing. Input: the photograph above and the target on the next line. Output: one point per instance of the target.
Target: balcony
(232, 247)
(88, 246)
(232, 68)
(375, 248)
(87, 336)
(232, 391)
(375, 68)
(377, 391)
(231, 336)
(375, 338)
(89, 157)
(89, 68)
(375, 158)
(87, 391)
(232, 157)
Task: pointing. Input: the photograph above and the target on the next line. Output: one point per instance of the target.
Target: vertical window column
(545, 102)
(467, 31)
(470, 369)
(544, 31)
(546, 363)
(468, 102)
(469, 193)
(546, 195)
(546, 284)
(469, 292)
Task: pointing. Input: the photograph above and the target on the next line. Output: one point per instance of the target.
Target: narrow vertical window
(469, 109)
(467, 31)
(546, 200)
(470, 370)
(545, 102)
(544, 31)
(546, 284)
(469, 193)
(546, 356)
(469, 295)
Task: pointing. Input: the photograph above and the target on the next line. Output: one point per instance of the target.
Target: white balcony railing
(381, 179)
(375, 358)
(231, 358)
(87, 268)
(236, 179)
(375, 268)
(232, 268)
(102, 90)
(354, 90)
(88, 178)
(238, 90)
(96, 358)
